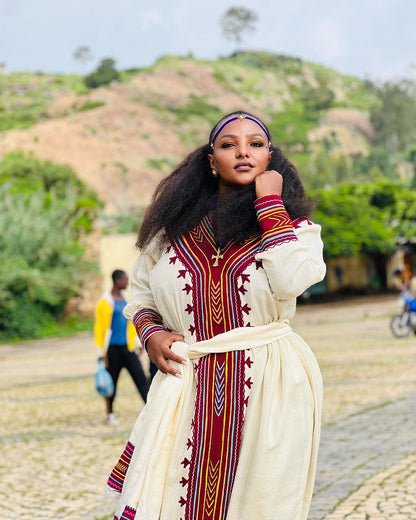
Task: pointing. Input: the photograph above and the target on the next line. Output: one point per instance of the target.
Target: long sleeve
(141, 309)
(291, 252)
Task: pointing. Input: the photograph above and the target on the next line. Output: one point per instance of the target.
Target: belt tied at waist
(241, 338)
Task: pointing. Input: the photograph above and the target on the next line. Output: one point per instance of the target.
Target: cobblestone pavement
(367, 457)
(374, 452)
(56, 451)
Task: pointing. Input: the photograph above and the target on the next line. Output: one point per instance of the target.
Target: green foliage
(199, 107)
(128, 74)
(23, 318)
(268, 61)
(67, 326)
(379, 162)
(359, 95)
(89, 105)
(41, 258)
(123, 222)
(103, 75)
(398, 204)
(394, 116)
(190, 120)
(22, 118)
(24, 173)
(366, 218)
(317, 99)
(291, 126)
(164, 164)
(25, 97)
(129, 223)
(45, 211)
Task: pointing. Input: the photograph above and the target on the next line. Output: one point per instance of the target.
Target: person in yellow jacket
(117, 340)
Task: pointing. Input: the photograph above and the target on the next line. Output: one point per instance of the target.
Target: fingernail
(178, 375)
(185, 362)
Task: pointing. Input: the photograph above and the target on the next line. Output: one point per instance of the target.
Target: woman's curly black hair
(190, 193)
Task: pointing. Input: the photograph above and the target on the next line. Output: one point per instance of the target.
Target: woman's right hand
(158, 348)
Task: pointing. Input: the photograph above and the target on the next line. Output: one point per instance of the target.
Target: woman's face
(241, 153)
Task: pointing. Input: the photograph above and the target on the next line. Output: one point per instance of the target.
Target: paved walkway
(56, 451)
(373, 452)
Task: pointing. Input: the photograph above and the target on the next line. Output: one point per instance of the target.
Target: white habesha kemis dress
(236, 438)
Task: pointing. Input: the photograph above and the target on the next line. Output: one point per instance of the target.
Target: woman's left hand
(269, 182)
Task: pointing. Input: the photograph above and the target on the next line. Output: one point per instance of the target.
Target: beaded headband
(241, 117)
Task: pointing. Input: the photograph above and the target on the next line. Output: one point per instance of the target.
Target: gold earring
(214, 173)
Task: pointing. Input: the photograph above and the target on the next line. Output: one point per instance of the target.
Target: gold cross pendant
(217, 257)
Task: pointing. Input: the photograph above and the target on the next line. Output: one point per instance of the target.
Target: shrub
(103, 75)
(45, 212)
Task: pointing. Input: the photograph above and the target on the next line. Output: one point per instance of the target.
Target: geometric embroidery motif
(117, 476)
(274, 221)
(221, 391)
(128, 514)
(216, 435)
(219, 395)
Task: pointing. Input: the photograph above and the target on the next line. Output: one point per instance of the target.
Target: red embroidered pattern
(216, 305)
(117, 476)
(218, 423)
(128, 514)
(274, 221)
(220, 393)
(297, 223)
(147, 322)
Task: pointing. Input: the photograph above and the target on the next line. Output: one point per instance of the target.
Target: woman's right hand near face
(158, 348)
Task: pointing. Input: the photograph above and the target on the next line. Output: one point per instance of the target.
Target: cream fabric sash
(241, 338)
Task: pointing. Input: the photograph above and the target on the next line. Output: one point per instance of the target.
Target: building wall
(116, 252)
(353, 272)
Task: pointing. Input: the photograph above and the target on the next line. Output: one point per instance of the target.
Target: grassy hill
(122, 139)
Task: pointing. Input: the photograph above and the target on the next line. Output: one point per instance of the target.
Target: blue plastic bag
(103, 381)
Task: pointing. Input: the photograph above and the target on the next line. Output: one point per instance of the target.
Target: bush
(24, 318)
(43, 220)
(25, 173)
(317, 99)
(103, 75)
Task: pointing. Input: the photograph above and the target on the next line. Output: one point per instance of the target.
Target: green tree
(103, 75)
(368, 218)
(394, 116)
(398, 206)
(379, 162)
(350, 224)
(236, 21)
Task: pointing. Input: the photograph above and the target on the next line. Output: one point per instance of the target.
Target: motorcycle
(404, 324)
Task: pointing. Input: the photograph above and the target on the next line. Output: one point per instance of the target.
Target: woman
(226, 249)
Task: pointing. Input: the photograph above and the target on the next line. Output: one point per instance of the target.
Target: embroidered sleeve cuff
(147, 322)
(274, 221)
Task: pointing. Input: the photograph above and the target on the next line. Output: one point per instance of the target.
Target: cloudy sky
(365, 38)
